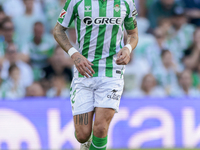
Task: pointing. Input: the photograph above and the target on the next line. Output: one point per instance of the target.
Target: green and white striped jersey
(100, 29)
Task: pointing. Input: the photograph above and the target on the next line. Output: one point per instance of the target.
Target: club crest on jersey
(116, 8)
(88, 9)
(102, 20)
(62, 14)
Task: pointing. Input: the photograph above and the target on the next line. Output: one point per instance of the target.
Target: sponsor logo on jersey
(102, 20)
(113, 95)
(88, 9)
(116, 8)
(62, 14)
(87, 21)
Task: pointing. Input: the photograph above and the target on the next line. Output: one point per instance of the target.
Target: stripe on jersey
(100, 38)
(86, 44)
(112, 50)
(78, 30)
(122, 37)
(78, 25)
(127, 8)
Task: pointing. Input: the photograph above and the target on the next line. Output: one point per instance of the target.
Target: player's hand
(83, 65)
(123, 57)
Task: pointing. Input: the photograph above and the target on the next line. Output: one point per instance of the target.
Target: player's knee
(100, 130)
(82, 137)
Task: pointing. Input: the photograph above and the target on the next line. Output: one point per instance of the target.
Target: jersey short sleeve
(67, 16)
(131, 15)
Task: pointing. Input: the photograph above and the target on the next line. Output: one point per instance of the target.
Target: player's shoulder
(129, 1)
(73, 1)
(77, 1)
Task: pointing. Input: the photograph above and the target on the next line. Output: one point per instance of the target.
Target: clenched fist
(123, 57)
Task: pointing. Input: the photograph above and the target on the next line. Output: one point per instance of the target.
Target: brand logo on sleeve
(134, 13)
(62, 14)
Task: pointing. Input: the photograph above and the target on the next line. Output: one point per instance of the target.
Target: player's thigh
(83, 125)
(103, 117)
(81, 97)
(82, 101)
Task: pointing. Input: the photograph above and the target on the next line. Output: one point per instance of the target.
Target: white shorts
(88, 93)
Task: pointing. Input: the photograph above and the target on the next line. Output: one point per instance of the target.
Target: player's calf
(103, 117)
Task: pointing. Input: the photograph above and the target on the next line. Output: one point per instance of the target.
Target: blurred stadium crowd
(165, 63)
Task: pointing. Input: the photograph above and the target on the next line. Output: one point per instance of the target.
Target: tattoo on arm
(83, 119)
(130, 38)
(61, 37)
(78, 60)
(134, 37)
(135, 23)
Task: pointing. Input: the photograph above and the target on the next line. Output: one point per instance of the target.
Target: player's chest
(98, 12)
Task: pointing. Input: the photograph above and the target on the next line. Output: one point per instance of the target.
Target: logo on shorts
(114, 95)
(62, 14)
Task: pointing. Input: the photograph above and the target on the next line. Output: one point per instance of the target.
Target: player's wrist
(129, 47)
(71, 51)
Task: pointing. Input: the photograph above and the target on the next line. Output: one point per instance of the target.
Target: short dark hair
(12, 67)
(38, 23)
(5, 20)
(164, 51)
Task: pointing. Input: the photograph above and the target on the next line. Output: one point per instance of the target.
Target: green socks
(98, 143)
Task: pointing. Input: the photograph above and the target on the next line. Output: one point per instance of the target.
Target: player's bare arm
(123, 56)
(81, 63)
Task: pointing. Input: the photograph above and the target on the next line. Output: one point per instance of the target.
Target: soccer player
(99, 62)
